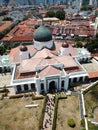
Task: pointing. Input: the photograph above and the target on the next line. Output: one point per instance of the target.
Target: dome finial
(23, 47)
(65, 45)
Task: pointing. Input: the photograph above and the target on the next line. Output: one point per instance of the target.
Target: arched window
(69, 81)
(18, 88)
(80, 79)
(74, 80)
(42, 86)
(26, 87)
(33, 87)
(62, 84)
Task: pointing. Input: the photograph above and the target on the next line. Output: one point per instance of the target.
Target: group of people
(49, 112)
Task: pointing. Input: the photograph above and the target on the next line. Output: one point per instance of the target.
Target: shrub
(42, 113)
(71, 123)
(16, 96)
(82, 123)
(4, 90)
(83, 129)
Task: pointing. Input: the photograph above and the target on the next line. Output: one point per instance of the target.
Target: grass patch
(42, 113)
(68, 109)
(14, 115)
(92, 126)
(91, 100)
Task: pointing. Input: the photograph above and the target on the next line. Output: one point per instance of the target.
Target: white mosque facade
(45, 66)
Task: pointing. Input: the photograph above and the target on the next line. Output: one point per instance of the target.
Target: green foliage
(2, 49)
(91, 88)
(42, 114)
(20, 95)
(79, 44)
(71, 123)
(60, 15)
(82, 123)
(92, 45)
(86, 8)
(50, 14)
(83, 129)
(37, 98)
(4, 90)
(92, 126)
(7, 19)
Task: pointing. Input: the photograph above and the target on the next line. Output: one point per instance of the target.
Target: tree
(60, 15)
(92, 45)
(79, 44)
(50, 14)
(2, 50)
(7, 19)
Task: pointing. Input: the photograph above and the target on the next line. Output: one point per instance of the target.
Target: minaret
(64, 50)
(24, 54)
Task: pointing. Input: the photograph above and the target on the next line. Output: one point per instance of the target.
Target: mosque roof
(42, 34)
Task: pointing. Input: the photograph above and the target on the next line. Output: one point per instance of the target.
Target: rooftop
(4, 25)
(91, 68)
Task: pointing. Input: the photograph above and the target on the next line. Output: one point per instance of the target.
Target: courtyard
(14, 115)
(91, 66)
(68, 108)
(5, 79)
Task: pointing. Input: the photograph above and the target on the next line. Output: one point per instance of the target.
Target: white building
(45, 66)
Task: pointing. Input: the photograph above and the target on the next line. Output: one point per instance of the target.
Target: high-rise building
(5, 2)
(85, 2)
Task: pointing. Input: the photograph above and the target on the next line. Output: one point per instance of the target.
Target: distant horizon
(38, 1)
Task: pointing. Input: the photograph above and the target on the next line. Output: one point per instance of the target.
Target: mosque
(46, 65)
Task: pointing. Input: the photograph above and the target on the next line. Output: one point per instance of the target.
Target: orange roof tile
(93, 75)
(29, 65)
(49, 71)
(44, 53)
(4, 25)
(14, 53)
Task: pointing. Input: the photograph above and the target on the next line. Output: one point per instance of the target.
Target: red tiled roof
(44, 53)
(55, 31)
(49, 71)
(14, 53)
(22, 38)
(4, 25)
(93, 75)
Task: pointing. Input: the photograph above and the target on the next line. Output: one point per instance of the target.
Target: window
(33, 87)
(42, 86)
(25, 87)
(62, 85)
(18, 88)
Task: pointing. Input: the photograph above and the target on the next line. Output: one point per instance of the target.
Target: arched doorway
(62, 85)
(52, 87)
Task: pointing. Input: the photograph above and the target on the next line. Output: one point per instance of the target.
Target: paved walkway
(49, 113)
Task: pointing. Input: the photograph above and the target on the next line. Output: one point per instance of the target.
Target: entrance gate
(52, 87)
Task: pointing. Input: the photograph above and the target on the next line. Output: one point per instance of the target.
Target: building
(46, 65)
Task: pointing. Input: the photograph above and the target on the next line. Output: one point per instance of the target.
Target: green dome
(42, 34)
